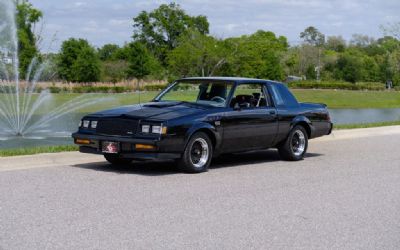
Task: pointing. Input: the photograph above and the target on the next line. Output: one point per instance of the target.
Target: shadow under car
(157, 168)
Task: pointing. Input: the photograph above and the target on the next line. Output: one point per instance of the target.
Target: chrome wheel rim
(298, 143)
(199, 153)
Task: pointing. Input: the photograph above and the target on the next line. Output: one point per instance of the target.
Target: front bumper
(127, 147)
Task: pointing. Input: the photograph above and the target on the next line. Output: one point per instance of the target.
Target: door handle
(272, 112)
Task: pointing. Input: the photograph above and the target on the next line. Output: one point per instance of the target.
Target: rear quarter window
(282, 96)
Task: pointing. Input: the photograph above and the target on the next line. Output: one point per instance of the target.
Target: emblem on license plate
(110, 147)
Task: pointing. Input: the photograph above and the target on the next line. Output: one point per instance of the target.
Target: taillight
(328, 117)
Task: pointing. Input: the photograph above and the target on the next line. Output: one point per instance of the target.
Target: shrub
(55, 90)
(337, 85)
(7, 89)
(101, 89)
(120, 89)
(153, 87)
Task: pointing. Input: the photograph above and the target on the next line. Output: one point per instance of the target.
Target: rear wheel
(197, 155)
(116, 159)
(295, 145)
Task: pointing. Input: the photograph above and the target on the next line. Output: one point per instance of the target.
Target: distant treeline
(168, 43)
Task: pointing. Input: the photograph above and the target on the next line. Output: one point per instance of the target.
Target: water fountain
(25, 112)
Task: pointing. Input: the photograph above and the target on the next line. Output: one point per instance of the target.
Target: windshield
(206, 93)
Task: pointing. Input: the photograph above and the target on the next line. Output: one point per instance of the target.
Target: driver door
(251, 120)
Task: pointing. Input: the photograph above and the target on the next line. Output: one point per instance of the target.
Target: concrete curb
(360, 133)
(47, 160)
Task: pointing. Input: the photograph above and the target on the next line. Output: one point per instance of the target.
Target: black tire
(197, 155)
(295, 146)
(117, 160)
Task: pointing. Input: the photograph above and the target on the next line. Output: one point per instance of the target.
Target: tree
(336, 43)
(290, 61)
(309, 58)
(361, 41)
(78, 61)
(26, 19)
(394, 64)
(114, 71)
(370, 71)
(141, 62)
(349, 68)
(197, 54)
(391, 29)
(388, 43)
(311, 35)
(161, 28)
(86, 68)
(108, 52)
(122, 53)
(257, 55)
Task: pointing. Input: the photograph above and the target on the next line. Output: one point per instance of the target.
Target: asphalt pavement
(344, 195)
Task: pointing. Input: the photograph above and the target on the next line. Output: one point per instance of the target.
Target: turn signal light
(82, 141)
(144, 147)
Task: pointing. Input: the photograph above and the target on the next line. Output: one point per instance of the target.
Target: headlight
(146, 129)
(93, 124)
(86, 123)
(80, 123)
(156, 129)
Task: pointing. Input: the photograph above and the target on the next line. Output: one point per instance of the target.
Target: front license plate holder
(110, 147)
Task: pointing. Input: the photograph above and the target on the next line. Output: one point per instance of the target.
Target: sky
(110, 21)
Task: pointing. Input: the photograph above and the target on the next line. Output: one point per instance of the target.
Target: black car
(196, 119)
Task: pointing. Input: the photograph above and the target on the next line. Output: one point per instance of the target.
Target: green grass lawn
(37, 150)
(337, 99)
(340, 99)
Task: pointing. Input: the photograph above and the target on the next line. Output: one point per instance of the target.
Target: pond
(349, 116)
(69, 123)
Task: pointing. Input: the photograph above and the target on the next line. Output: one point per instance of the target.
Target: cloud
(79, 4)
(110, 21)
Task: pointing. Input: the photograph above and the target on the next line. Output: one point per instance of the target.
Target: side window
(249, 96)
(277, 96)
(282, 96)
(288, 97)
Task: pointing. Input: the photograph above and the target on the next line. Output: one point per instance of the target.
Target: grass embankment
(341, 99)
(366, 125)
(37, 150)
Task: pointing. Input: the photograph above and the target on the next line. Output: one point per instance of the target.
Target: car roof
(229, 79)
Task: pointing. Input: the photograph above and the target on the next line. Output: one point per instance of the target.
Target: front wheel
(295, 145)
(197, 155)
(116, 159)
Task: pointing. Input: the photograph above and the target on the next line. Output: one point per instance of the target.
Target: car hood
(160, 111)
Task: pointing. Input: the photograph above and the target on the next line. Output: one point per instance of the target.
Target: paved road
(344, 195)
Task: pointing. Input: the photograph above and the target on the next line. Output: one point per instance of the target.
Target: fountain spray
(19, 106)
